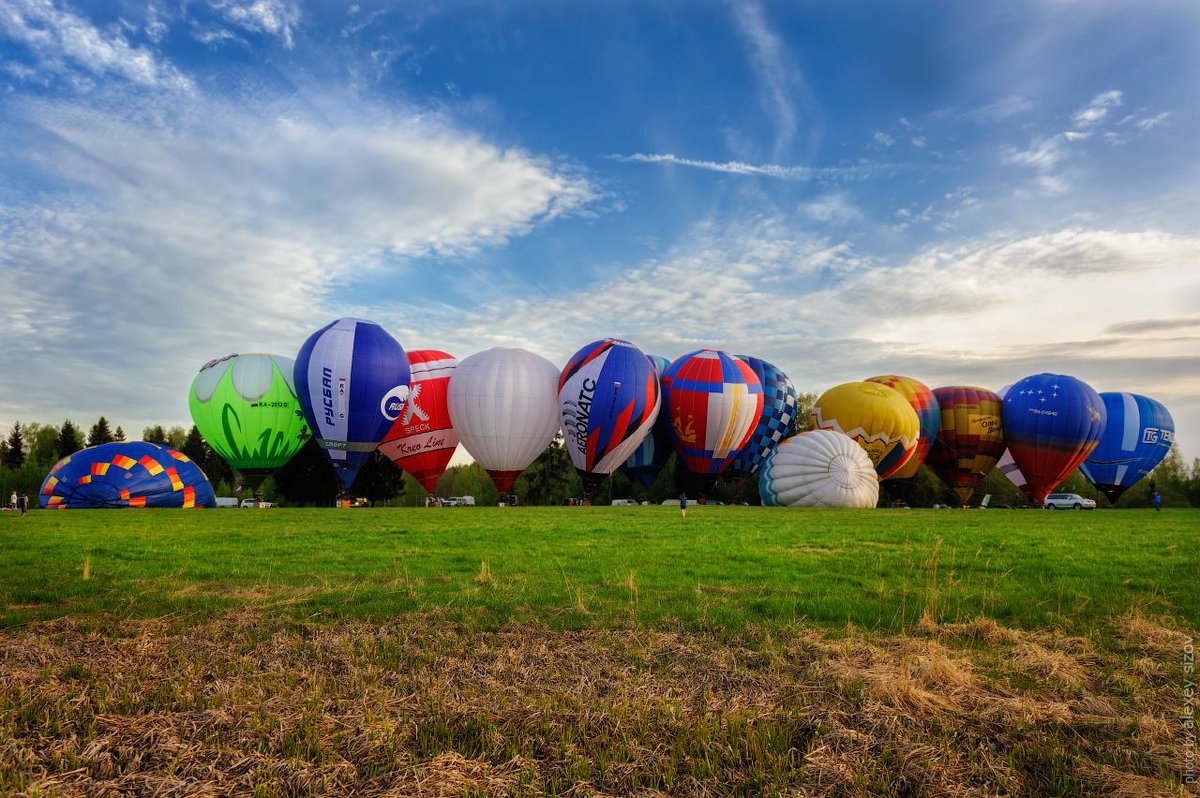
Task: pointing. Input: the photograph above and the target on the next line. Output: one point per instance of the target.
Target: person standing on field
(683, 505)
(23, 504)
(12, 501)
(1157, 501)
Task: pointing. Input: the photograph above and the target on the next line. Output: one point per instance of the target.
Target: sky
(957, 193)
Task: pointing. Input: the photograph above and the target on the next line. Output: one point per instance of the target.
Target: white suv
(1069, 501)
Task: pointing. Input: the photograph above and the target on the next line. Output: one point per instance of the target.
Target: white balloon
(819, 468)
(504, 405)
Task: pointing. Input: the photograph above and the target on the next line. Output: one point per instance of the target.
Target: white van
(227, 501)
(458, 501)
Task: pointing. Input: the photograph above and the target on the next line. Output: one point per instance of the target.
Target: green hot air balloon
(245, 406)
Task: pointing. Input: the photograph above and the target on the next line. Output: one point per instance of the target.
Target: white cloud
(1151, 122)
(833, 208)
(779, 81)
(919, 142)
(1095, 111)
(224, 231)
(999, 110)
(274, 17)
(883, 139)
(64, 43)
(1077, 135)
(857, 171)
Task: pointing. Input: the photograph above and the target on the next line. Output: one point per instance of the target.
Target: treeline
(31, 450)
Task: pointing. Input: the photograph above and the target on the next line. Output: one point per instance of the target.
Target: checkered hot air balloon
(1137, 436)
(1052, 423)
(970, 439)
(777, 418)
(608, 395)
(423, 440)
(714, 401)
(126, 474)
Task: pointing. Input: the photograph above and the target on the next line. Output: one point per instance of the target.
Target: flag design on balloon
(881, 420)
(504, 405)
(352, 379)
(126, 474)
(246, 409)
(970, 439)
(714, 401)
(608, 395)
(422, 440)
(818, 468)
(648, 459)
(1052, 423)
(929, 416)
(1137, 435)
(777, 418)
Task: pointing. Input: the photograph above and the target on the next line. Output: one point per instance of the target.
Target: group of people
(16, 502)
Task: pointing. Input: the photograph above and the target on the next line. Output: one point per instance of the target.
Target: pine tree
(69, 440)
(119, 434)
(195, 447)
(379, 479)
(14, 458)
(100, 433)
(155, 434)
(551, 478)
(307, 478)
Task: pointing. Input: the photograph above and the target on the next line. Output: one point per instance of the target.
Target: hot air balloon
(1137, 436)
(1006, 465)
(928, 414)
(876, 416)
(651, 455)
(1052, 423)
(777, 418)
(609, 398)
(971, 438)
(818, 468)
(504, 405)
(423, 440)
(714, 401)
(126, 474)
(352, 379)
(246, 408)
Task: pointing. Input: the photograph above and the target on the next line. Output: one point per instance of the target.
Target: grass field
(596, 650)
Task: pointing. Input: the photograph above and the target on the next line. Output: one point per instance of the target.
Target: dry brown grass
(252, 704)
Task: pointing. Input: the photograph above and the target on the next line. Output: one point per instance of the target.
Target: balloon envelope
(971, 437)
(648, 459)
(609, 398)
(126, 474)
(819, 468)
(1006, 465)
(1052, 423)
(1137, 436)
(352, 379)
(929, 417)
(504, 404)
(246, 408)
(714, 401)
(422, 440)
(876, 416)
(776, 420)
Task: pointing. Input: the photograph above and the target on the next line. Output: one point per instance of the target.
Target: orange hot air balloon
(928, 414)
(877, 417)
(971, 438)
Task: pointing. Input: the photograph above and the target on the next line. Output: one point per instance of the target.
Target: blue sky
(958, 193)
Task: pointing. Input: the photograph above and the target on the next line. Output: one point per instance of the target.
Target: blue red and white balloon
(648, 459)
(714, 401)
(609, 398)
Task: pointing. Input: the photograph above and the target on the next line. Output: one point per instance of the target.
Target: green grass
(578, 568)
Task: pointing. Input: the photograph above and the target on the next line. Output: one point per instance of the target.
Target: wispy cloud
(780, 81)
(63, 42)
(1094, 112)
(883, 139)
(273, 17)
(857, 171)
(1000, 109)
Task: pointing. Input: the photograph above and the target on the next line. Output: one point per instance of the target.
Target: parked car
(227, 501)
(1069, 501)
(458, 501)
(252, 504)
(624, 503)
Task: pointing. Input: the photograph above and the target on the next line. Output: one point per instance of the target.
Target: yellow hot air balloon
(879, 418)
(928, 414)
